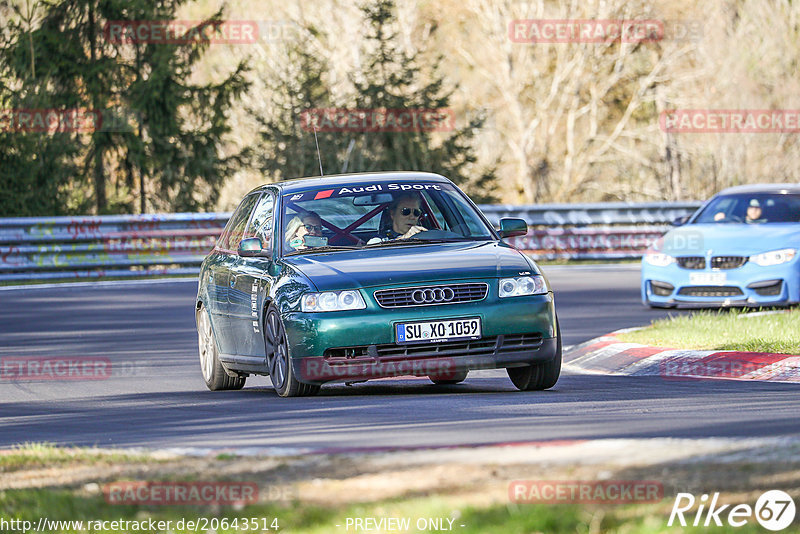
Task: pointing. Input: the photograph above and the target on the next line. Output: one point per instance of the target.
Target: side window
(234, 230)
(261, 224)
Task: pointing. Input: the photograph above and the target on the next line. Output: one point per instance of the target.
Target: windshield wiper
(417, 241)
(409, 241)
(322, 249)
(453, 240)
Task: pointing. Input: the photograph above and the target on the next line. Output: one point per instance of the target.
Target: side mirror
(513, 227)
(251, 247)
(680, 221)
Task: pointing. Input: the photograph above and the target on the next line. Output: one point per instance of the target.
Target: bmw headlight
(332, 301)
(774, 257)
(658, 259)
(524, 285)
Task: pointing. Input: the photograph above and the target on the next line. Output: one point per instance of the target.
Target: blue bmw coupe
(739, 249)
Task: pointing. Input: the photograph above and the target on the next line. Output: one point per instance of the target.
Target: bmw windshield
(378, 215)
(752, 208)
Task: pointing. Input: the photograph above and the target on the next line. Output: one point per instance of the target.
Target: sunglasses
(313, 227)
(407, 211)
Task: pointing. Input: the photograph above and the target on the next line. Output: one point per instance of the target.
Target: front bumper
(748, 286)
(361, 344)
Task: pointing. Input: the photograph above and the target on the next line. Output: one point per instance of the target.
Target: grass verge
(326, 494)
(31, 505)
(35, 455)
(723, 330)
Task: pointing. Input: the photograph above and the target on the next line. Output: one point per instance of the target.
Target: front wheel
(214, 375)
(541, 375)
(278, 362)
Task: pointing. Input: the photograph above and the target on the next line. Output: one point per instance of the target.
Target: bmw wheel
(538, 376)
(213, 373)
(278, 361)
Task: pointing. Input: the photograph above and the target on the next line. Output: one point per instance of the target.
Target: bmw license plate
(439, 331)
(708, 279)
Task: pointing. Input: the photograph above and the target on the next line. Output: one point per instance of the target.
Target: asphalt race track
(155, 396)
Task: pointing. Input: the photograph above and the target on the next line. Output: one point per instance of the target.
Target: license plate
(439, 331)
(708, 279)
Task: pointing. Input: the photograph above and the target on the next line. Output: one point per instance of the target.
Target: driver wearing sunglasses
(404, 213)
(309, 224)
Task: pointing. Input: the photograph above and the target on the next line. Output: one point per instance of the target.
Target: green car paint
(241, 282)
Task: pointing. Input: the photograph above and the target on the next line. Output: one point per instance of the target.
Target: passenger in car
(400, 220)
(300, 226)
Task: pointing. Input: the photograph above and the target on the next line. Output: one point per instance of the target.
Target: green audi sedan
(361, 276)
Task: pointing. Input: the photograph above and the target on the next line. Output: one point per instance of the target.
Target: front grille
(710, 291)
(692, 262)
(728, 262)
(477, 347)
(431, 295)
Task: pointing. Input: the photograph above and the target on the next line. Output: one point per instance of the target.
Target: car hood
(410, 264)
(729, 239)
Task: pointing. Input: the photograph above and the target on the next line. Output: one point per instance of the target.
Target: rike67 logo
(774, 510)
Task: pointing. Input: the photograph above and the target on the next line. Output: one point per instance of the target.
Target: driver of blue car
(402, 221)
(754, 212)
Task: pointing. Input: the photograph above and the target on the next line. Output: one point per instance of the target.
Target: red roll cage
(346, 232)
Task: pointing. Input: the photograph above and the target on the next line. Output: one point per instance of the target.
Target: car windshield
(752, 208)
(377, 215)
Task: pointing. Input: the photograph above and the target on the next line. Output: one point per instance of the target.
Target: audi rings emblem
(433, 295)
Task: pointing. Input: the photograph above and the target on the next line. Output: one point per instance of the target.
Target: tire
(455, 378)
(214, 375)
(278, 361)
(539, 376)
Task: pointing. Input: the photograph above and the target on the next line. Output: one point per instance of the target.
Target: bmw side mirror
(680, 221)
(252, 247)
(513, 227)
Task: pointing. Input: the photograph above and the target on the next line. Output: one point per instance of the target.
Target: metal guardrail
(166, 244)
(662, 213)
(33, 248)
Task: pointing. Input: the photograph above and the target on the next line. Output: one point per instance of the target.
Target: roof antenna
(318, 154)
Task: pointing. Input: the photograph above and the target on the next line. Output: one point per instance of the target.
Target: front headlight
(332, 301)
(658, 259)
(524, 285)
(774, 257)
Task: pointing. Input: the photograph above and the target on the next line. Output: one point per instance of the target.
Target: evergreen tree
(390, 79)
(292, 148)
(393, 79)
(182, 124)
(174, 141)
(39, 169)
